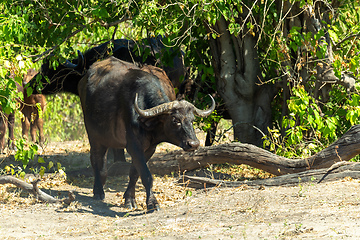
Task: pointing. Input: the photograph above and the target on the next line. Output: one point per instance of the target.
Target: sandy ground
(305, 211)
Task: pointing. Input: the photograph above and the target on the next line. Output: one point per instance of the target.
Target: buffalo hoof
(99, 196)
(131, 204)
(152, 208)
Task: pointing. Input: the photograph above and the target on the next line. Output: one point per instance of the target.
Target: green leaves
(9, 95)
(296, 37)
(100, 12)
(307, 121)
(234, 28)
(23, 154)
(65, 118)
(353, 109)
(29, 28)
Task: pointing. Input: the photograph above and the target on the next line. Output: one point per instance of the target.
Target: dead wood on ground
(33, 189)
(351, 170)
(344, 149)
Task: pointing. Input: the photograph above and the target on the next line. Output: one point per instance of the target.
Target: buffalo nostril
(193, 144)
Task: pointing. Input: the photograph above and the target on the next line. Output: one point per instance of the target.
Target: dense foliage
(33, 30)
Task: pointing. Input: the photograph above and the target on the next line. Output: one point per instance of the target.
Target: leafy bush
(310, 128)
(63, 118)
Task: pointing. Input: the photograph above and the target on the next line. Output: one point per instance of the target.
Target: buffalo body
(126, 107)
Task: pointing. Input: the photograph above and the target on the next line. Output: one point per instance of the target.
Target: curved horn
(80, 62)
(69, 64)
(207, 112)
(154, 111)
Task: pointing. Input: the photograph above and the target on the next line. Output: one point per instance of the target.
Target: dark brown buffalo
(126, 107)
(65, 77)
(29, 108)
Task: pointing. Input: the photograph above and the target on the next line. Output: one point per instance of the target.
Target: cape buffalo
(126, 107)
(66, 76)
(32, 119)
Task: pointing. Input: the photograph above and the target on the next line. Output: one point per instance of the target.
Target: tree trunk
(344, 149)
(235, 59)
(237, 70)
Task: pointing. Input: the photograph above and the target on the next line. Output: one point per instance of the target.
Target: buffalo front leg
(98, 163)
(37, 124)
(139, 168)
(151, 202)
(33, 131)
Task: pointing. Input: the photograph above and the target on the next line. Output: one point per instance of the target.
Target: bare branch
(115, 23)
(49, 51)
(355, 35)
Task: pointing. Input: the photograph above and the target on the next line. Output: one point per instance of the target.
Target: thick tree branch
(344, 149)
(316, 176)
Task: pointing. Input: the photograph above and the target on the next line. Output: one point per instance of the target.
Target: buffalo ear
(149, 123)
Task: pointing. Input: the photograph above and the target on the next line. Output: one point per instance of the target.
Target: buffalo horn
(207, 112)
(80, 62)
(166, 107)
(154, 111)
(69, 64)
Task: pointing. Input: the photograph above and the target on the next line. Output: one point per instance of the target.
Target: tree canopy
(286, 71)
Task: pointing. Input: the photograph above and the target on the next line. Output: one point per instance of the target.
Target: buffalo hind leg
(3, 122)
(11, 125)
(25, 127)
(37, 124)
(98, 163)
(119, 155)
(129, 194)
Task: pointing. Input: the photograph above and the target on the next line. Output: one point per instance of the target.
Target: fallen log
(344, 149)
(33, 189)
(341, 171)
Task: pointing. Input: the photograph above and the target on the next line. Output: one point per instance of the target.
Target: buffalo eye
(176, 121)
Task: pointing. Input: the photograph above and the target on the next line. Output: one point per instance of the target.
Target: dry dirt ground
(305, 211)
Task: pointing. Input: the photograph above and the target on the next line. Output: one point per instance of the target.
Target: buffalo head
(64, 78)
(176, 118)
